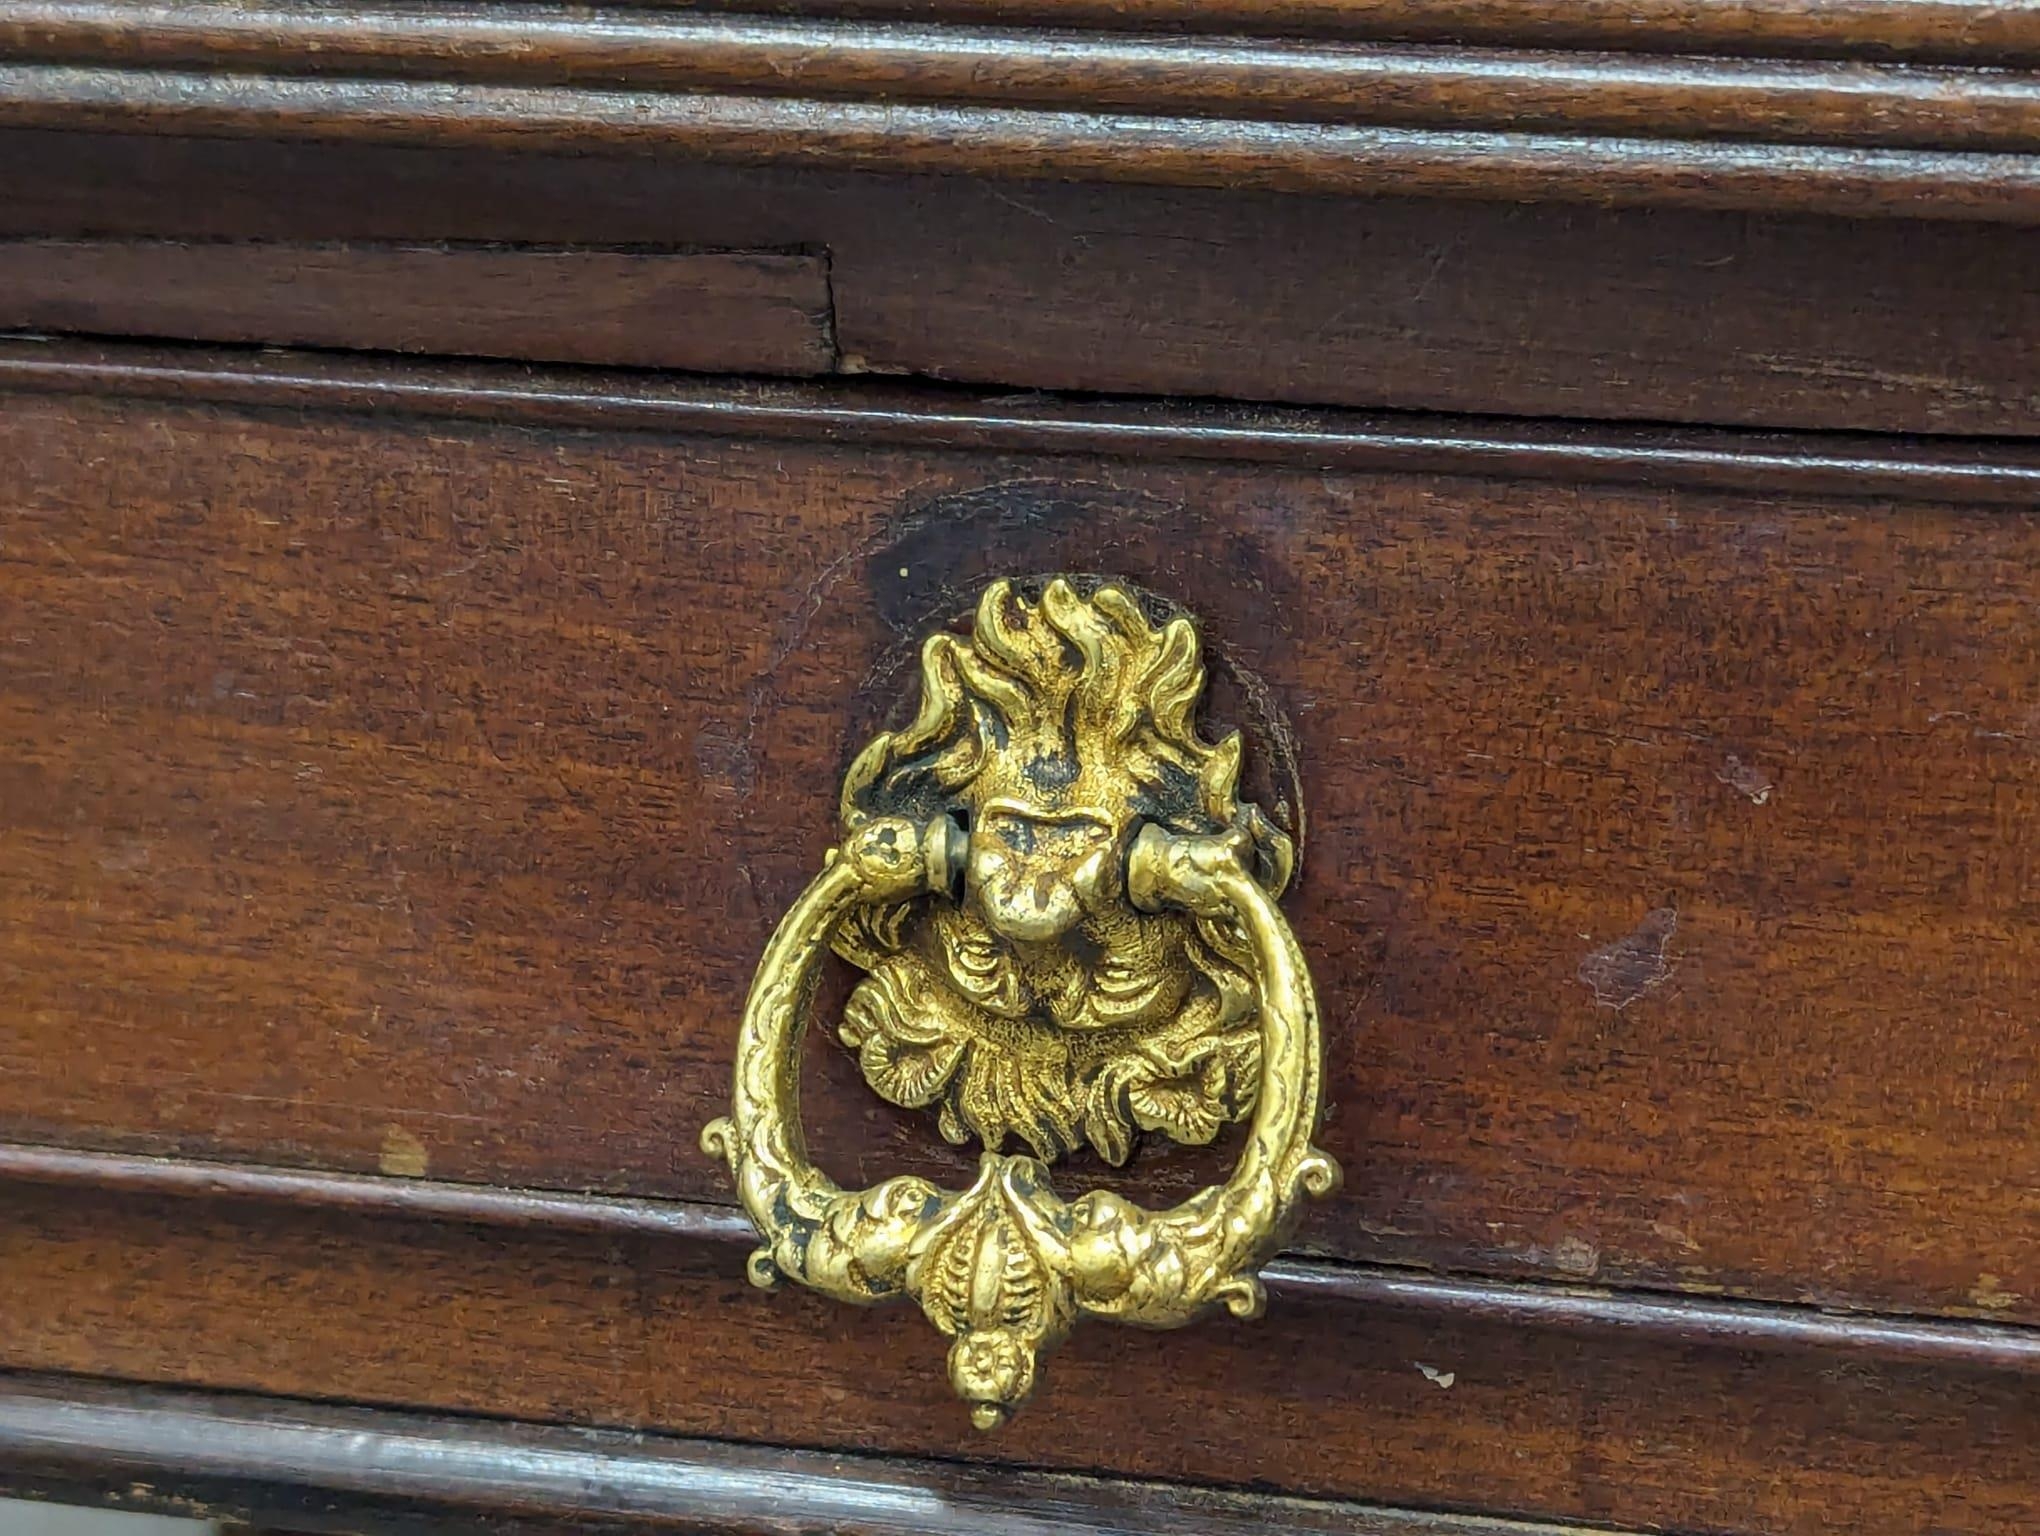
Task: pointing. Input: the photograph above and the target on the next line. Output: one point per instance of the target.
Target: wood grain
(418, 796)
(1656, 316)
(531, 42)
(728, 311)
(1316, 1401)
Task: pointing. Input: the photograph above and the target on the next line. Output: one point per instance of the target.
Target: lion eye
(1015, 833)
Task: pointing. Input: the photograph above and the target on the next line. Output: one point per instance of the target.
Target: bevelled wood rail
(1966, 31)
(1811, 463)
(1545, 91)
(1661, 1317)
(280, 1463)
(1858, 138)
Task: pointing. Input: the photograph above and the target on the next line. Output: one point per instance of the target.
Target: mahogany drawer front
(418, 794)
(411, 763)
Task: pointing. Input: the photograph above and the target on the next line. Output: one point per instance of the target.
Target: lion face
(1042, 1005)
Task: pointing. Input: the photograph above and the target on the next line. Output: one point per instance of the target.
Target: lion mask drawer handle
(1067, 918)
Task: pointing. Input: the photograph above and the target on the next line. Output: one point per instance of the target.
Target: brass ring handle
(1005, 1267)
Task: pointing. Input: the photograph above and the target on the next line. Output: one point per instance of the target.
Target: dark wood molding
(1235, 80)
(874, 412)
(315, 1467)
(1861, 139)
(1953, 31)
(1023, 144)
(370, 1195)
(1706, 1322)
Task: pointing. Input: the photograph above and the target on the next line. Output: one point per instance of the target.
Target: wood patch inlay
(722, 311)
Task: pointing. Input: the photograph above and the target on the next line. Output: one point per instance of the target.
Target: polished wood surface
(349, 832)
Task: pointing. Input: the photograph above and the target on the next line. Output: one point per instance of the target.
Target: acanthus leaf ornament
(1068, 922)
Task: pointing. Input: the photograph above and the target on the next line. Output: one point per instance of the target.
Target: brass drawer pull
(1069, 924)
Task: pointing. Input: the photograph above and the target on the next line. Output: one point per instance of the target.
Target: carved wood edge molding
(1235, 79)
(1950, 31)
(309, 1466)
(1661, 1317)
(871, 413)
(1859, 139)
(1025, 144)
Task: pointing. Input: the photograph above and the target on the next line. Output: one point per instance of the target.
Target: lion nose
(1034, 880)
(1032, 909)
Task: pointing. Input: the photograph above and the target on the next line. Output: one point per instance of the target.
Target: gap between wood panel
(2005, 473)
(1668, 1318)
(270, 1460)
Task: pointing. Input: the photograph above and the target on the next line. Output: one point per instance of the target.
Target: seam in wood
(213, 1455)
(1805, 463)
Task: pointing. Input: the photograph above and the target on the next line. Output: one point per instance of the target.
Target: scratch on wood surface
(1746, 779)
(1621, 972)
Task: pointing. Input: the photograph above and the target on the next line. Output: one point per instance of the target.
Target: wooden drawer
(410, 762)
